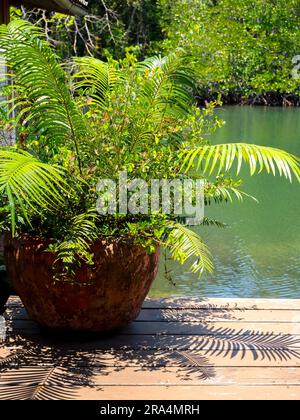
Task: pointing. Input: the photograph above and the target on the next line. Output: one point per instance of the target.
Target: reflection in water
(258, 254)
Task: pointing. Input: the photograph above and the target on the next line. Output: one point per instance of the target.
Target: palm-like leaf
(36, 69)
(81, 233)
(95, 77)
(224, 190)
(168, 88)
(37, 383)
(222, 157)
(183, 244)
(194, 363)
(27, 182)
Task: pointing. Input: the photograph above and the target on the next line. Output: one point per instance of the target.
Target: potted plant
(75, 264)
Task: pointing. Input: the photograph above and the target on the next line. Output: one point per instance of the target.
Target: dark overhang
(70, 7)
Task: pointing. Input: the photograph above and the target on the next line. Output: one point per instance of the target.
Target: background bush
(240, 49)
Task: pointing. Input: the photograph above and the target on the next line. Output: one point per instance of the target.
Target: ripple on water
(258, 256)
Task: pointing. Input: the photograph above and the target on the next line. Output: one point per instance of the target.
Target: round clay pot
(105, 296)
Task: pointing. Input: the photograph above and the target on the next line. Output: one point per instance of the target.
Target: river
(258, 254)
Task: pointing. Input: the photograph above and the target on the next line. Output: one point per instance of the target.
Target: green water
(258, 255)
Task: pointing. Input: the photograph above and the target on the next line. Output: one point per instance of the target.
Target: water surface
(258, 255)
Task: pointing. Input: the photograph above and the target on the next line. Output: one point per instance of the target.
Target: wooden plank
(168, 358)
(197, 315)
(206, 376)
(209, 303)
(4, 353)
(148, 359)
(183, 328)
(223, 303)
(189, 392)
(211, 328)
(171, 376)
(160, 392)
(218, 342)
(231, 344)
(202, 315)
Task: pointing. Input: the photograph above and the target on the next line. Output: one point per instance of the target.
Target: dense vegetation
(76, 125)
(240, 49)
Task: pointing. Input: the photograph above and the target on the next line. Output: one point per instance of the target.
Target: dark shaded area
(31, 373)
(76, 6)
(5, 288)
(271, 99)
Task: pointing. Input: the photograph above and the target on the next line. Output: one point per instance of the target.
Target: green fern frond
(212, 222)
(222, 157)
(227, 192)
(81, 233)
(168, 87)
(95, 77)
(183, 244)
(27, 182)
(35, 66)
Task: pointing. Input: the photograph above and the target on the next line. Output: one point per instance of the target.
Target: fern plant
(89, 120)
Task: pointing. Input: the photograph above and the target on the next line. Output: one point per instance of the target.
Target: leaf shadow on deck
(42, 365)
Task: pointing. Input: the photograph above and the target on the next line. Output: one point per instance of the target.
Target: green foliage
(224, 189)
(50, 106)
(75, 248)
(183, 244)
(111, 27)
(103, 118)
(96, 76)
(242, 49)
(221, 158)
(28, 184)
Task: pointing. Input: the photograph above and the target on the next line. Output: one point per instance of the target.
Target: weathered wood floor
(176, 349)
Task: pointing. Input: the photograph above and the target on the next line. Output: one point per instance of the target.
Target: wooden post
(4, 12)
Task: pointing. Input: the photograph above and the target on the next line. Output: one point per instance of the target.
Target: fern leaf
(36, 69)
(221, 158)
(168, 86)
(81, 233)
(95, 77)
(27, 182)
(183, 244)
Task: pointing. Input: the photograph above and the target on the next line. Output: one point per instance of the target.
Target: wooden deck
(176, 349)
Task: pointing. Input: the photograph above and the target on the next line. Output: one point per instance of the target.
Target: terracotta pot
(105, 297)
